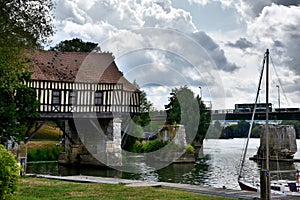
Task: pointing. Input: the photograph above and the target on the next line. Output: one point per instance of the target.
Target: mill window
(56, 94)
(98, 98)
(72, 97)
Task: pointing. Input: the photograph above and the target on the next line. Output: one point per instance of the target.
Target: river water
(218, 167)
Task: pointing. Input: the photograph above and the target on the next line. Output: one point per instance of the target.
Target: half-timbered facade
(87, 87)
(74, 82)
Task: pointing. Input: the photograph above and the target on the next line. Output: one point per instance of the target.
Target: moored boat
(283, 187)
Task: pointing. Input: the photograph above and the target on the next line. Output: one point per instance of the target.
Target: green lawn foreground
(39, 188)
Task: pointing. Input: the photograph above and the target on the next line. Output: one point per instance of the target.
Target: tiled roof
(77, 67)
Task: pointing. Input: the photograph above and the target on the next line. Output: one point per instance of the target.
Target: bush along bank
(44, 154)
(9, 174)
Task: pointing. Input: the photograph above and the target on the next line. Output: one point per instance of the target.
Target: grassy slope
(37, 188)
(48, 132)
(46, 138)
(41, 145)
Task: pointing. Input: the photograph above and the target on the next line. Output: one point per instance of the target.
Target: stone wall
(176, 133)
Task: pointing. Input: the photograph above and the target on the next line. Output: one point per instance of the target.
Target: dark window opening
(72, 97)
(98, 98)
(56, 97)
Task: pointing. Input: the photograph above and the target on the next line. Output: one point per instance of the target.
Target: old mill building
(91, 95)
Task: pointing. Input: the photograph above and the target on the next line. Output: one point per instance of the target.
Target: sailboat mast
(267, 172)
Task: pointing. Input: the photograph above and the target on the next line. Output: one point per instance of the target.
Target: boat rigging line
(279, 81)
(252, 120)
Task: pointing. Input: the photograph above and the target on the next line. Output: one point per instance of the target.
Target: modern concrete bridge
(231, 115)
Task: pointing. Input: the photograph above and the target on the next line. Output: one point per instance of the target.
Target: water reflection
(217, 168)
(43, 168)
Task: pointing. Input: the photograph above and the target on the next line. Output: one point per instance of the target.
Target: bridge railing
(224, 111)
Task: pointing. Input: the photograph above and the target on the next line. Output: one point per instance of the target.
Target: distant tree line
(241, 129)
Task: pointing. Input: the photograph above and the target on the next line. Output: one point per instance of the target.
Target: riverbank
(90, 187)
(42, 188)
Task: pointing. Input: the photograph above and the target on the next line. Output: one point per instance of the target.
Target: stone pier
(177, 135)
(92, 142)
(282, 142)
(113, 147)
(173, 132)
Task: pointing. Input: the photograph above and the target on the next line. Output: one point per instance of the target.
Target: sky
(215, 47)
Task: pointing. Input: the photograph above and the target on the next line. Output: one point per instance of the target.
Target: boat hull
(246, 186)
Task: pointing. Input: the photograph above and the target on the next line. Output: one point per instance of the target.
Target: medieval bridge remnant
(86, 89)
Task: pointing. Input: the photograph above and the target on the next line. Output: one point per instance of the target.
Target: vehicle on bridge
(249, 107)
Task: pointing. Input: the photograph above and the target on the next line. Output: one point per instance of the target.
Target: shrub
(147, 146)
(153, 145)
(9, 174)
(48, 154)
(190, 149)
(137, 147)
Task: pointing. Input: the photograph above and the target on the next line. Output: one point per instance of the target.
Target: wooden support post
(35, 132)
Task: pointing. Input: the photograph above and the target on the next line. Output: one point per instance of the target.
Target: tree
(256, 130)
(186, 109)
(242, 129)
(24, 25)
(215, 131)
(141, 121)
(205, 118)
(75, 45)
(229, 131)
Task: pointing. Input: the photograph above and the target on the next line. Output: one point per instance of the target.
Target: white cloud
(199, 2)
(278, 28)
(252, 9)
(158, 95)
(225, 3)
(70, 10)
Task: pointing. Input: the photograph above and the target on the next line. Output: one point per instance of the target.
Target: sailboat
(266, 186)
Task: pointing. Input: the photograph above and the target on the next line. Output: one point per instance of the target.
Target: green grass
(33, 145)
(49, 131)
(38, 188)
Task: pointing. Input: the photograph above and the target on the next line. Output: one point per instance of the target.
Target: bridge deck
(258, 116)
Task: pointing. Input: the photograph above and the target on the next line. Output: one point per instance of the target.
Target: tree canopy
(24, 25)
(75, 45)
(184, 108)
